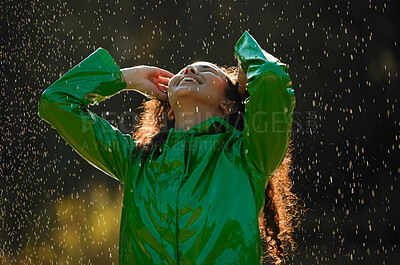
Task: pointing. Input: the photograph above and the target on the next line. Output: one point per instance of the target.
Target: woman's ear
(229, 107)
(171, 114)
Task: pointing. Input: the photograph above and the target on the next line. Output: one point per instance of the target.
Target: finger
(156, 93)
(162, 87)
(163, 80)
(160, 95)
(165, 73)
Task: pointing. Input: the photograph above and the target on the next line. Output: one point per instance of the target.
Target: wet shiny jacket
(199, 201)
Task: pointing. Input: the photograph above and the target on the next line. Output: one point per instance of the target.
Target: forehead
(205, 65)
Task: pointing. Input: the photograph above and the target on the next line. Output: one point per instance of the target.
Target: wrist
(131, 77)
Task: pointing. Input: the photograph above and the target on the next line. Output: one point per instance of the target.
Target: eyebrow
(209, 67)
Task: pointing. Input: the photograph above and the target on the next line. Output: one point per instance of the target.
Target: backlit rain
(343, 59)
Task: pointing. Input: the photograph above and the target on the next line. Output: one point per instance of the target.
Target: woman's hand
(242, 78)
(149, 80)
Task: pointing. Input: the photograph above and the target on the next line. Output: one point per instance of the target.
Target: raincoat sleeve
(269, 109)
(65, 106)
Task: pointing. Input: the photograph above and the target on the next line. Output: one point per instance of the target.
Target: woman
(196, 169)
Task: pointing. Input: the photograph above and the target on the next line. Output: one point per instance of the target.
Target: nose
(190, 69)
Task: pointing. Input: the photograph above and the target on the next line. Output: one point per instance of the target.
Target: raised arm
(64, 105)
(269, 110)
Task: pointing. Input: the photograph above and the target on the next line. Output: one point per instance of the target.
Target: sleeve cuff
(249, 53)
(94, 79)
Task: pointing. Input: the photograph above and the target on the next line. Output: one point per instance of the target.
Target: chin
(184, 91)
(187, 97)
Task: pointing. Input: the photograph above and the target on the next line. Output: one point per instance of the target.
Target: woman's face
(201, 82)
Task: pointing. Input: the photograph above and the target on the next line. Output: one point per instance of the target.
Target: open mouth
(189, 80)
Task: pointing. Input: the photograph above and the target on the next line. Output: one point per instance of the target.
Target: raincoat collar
(210, 126)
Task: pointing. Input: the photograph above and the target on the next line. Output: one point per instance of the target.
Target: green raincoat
(199, 201)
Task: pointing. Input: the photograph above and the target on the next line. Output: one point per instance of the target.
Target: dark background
(343, 59)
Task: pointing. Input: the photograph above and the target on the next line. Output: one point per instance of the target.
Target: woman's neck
(190, 116)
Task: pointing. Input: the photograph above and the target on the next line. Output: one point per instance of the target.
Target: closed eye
(209, 69)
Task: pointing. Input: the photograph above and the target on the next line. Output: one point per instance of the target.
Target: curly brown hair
(281, 209)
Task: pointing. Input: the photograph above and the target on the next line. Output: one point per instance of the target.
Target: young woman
(206, 171)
